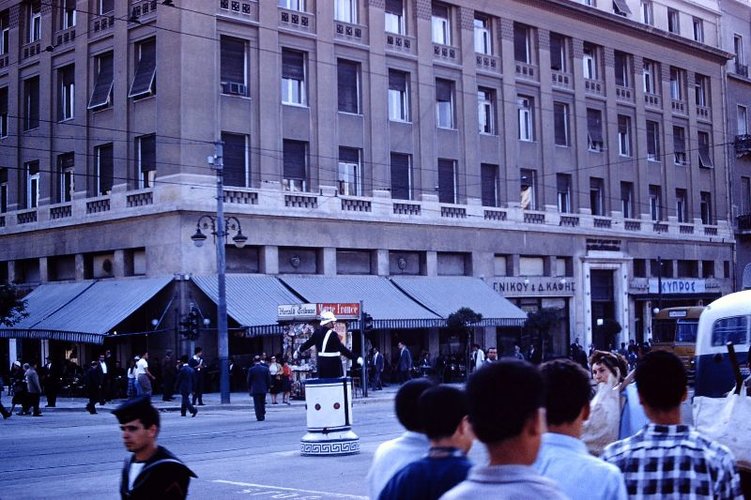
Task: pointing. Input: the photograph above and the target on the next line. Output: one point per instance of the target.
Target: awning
(85, 311)
(252, 299)
(388, 306)
(445, 295)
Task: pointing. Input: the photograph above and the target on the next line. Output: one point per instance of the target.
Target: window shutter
(294, 160)
(106, 167)
(594, 125)
(293, 65)
(446, 192)
(349, 155)
(395, 7)
(400, 176)
(143, 81)
(148, 153)
(4, 101)
(347, 82)
(443, 90)
(679, 143)
(234, 159)
(233, 60)
(488, 174)
(397, 81)
(103, 86)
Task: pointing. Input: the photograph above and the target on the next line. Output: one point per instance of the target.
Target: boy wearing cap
(151, 471)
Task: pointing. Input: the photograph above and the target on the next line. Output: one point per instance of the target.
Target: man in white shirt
(478, 357)
(393, 455)
(143, 376)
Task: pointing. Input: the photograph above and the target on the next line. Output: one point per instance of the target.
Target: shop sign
(677, 286)
(534, 287)
(308, 312)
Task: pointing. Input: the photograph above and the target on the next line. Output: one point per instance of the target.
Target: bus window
(733, 330)
(686, 332)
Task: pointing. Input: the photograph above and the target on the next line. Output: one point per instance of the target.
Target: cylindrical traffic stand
(328, 404)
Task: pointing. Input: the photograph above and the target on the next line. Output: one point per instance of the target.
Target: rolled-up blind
(293, 65)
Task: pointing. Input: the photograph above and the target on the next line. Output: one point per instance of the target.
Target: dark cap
(137, 409)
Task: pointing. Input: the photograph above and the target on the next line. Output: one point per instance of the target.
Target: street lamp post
(220, 226)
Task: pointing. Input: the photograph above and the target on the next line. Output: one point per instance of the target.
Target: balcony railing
(350, 32)
(741, 69)
(65, 37)
(445, 53)
(742, 145)
(31, 50)
(526, 71)
(562, 80)
(704, 113)
(241, 8)
(101, 24)
(624, 94)
(296, 20)
(595, 87)
(401, 43)
(679, 107)
(486, 62)
(142, 8)
(653, 101)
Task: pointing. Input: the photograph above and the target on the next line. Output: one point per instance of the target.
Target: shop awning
(84, 311)
(252, 299)
(445, 295)
(388, 306)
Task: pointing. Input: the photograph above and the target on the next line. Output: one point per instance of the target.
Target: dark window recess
(400, 182)
(347, 81)
(102, 94)
(234, 159)
(294, 160)
(394, 7)
(293, 65)
(398, 81)
(144, 82)
(621, 8)
(106, 168)
(31, 103)
(594, 128)
(446, 184)
(233, 66)
(147, 145)
(489, 175)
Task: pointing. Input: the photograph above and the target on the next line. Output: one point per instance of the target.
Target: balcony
(351, 32)
(679, 107)
(445, 53)
(401, 43)
(487, 62)
(624, 94)
(562, 80)
(744, 224)
(741, 69)
(239, 9)
(65, 37)
(594, 87)
(297, 21)
(704, 113)
(99, 25)
(652, 101)
(142, 9)
(30, 50)
(742, 145)
(526, 71)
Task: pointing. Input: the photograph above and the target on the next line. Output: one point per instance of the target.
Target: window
(531, 265)
(596, 195)
(705, 151)
(589, 60)
(66, 92)
(622, 69)
(345, 11)
(740, 55)
(525, 114)
(624, 135)
(489, 181)
(4, 112)
(401, 176)
(677, 83)
(236, 169)
(627, 199)
(594, 130)
(34, 28)
(31, 103)
(441, 25)
(522, 43)
(398, 96)
(483, 38)
(528, 198)
(293, 77)
(104, 169)
(146, 160)
(745, 198)
(681, 205)
(653, 141)
(446, 181)
(486, 110)
(31, 171)
(707, 268)
(106, 6)
(295, 165)
(650, 77)
(733, 330)
(647, 14)
(444, 106)
(674, 24)
(144, 81)
(395, 17)
(655, 202)
(65, 173)
(298, 5)
(621, 8)
(702, 90)
(742, 120)
(234, 67)
(4, 32)
(101, 97)
(563, 183)
(705, 207)
(67, 14)
(558, 52)
(679, 146)
(3, 190)
(698, 29)
(349, 179)
(561, 123)
(348, 83)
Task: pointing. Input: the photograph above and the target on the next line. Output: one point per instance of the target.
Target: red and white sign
(341, 310)
(309, 312)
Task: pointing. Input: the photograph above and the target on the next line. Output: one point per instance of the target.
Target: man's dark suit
(405, 365)
(259, 381)
(53, 379)
(378, 362)
(184, 383)
(93, 382)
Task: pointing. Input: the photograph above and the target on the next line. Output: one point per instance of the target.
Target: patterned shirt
(674, 461)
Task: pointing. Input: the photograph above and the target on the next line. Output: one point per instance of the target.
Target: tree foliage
(12, 306)
(462, 319)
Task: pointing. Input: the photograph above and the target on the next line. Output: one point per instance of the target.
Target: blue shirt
(565, 460)
(429, 477)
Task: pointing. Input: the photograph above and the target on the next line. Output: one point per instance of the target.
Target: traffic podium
(328, 407)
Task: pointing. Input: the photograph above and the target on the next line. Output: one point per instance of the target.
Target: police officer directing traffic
(328, 348)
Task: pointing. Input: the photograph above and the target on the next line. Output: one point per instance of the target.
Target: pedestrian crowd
(549, 434)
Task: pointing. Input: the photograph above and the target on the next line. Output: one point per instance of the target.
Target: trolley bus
(674, 329)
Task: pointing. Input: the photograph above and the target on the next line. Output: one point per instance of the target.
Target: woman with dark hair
(275, 370)
(286, 381)
(609, 372)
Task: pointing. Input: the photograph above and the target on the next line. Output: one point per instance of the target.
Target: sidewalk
(212, 400)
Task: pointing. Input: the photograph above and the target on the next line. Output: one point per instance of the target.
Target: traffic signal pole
(364, 368)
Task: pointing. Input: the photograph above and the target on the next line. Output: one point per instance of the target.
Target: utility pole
(222, 336)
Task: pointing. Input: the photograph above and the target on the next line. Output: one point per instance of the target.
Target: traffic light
(189, 327)
(368, 321)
